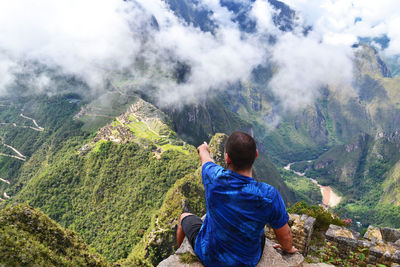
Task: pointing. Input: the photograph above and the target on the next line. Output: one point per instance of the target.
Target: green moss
(188, 258)
(29, 237)
(323, 217)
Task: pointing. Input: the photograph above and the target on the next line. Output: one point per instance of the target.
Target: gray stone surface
(270, 257)
(317, 265)
(390, 234)
(387, 256)
(364, 243)
(375, 252)
(302, 228)
(185, 247)
(397, 243)
(373, 232)
(396, 256)
(337, 232)
(174, 261)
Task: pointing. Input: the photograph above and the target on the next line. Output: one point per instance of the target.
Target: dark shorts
(191, 225)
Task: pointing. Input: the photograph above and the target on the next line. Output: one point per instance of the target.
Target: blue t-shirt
(238, 208)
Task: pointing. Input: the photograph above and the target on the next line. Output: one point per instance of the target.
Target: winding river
(329, 197)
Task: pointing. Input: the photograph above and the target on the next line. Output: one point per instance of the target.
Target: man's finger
(277, 246)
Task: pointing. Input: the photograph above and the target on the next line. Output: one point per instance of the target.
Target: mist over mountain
(221, 42)
(102, 104)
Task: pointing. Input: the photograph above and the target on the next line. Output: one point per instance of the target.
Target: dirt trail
(38, 128)
(12, 156)
(329, 197)
(13, 149)
(20, 155)
(4, 180)
(98, 115)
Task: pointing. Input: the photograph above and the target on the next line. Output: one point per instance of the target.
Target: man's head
(240, 151)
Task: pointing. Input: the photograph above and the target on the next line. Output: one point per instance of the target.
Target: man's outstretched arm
(285, 240)
(204, 153)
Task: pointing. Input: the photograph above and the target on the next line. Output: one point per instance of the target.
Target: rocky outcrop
(302, 228)
(377, 241)
(270, 257)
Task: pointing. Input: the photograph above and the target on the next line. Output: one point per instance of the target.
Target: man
(238, 207)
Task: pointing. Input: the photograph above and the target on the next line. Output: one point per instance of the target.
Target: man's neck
(247, 173)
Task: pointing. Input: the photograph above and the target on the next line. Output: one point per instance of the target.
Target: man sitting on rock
(238, 208)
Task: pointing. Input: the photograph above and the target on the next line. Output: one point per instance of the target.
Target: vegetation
(330, 254)
(29, 237)
(124, 198)
(53, 114)
(323, 217)
(188, 258)
(109, 194)
(303, 187)
(108, 205)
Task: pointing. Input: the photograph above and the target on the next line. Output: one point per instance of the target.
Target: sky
(97, 40)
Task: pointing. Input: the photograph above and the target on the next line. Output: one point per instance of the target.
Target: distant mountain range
(119, 169)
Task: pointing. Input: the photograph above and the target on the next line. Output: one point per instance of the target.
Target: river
(329, 197)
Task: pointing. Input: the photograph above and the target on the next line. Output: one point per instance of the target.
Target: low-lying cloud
(143, 40)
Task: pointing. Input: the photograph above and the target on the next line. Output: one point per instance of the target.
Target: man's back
(238, 208)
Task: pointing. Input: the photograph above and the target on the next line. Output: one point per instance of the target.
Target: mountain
(337, 116)
(107, 187)
(29, 237)
(110, 184)
(118, 169)
(365, 172)
(200, 16)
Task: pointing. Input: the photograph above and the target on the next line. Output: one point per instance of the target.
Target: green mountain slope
(17, 129)
(366, 173)
(338, 115)
(29, 237)
(108, 190)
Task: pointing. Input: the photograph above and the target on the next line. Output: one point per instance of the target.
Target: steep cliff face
(197, 123)
(108, 187)
(336, 117)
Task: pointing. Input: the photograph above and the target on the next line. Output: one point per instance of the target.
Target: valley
(98, 154)
(119, 169)
(329, 198)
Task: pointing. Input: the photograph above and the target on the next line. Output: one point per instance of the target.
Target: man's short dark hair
(241, 149)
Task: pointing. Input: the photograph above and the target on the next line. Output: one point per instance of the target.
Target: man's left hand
(290, 251)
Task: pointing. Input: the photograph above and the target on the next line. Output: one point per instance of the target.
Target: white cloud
(93, 39)
(263, 13)
(305, 65)
(335, 20)
(85, 38)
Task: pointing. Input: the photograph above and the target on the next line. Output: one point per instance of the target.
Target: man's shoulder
(268, 190)
(211, 166)
(211, 171)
